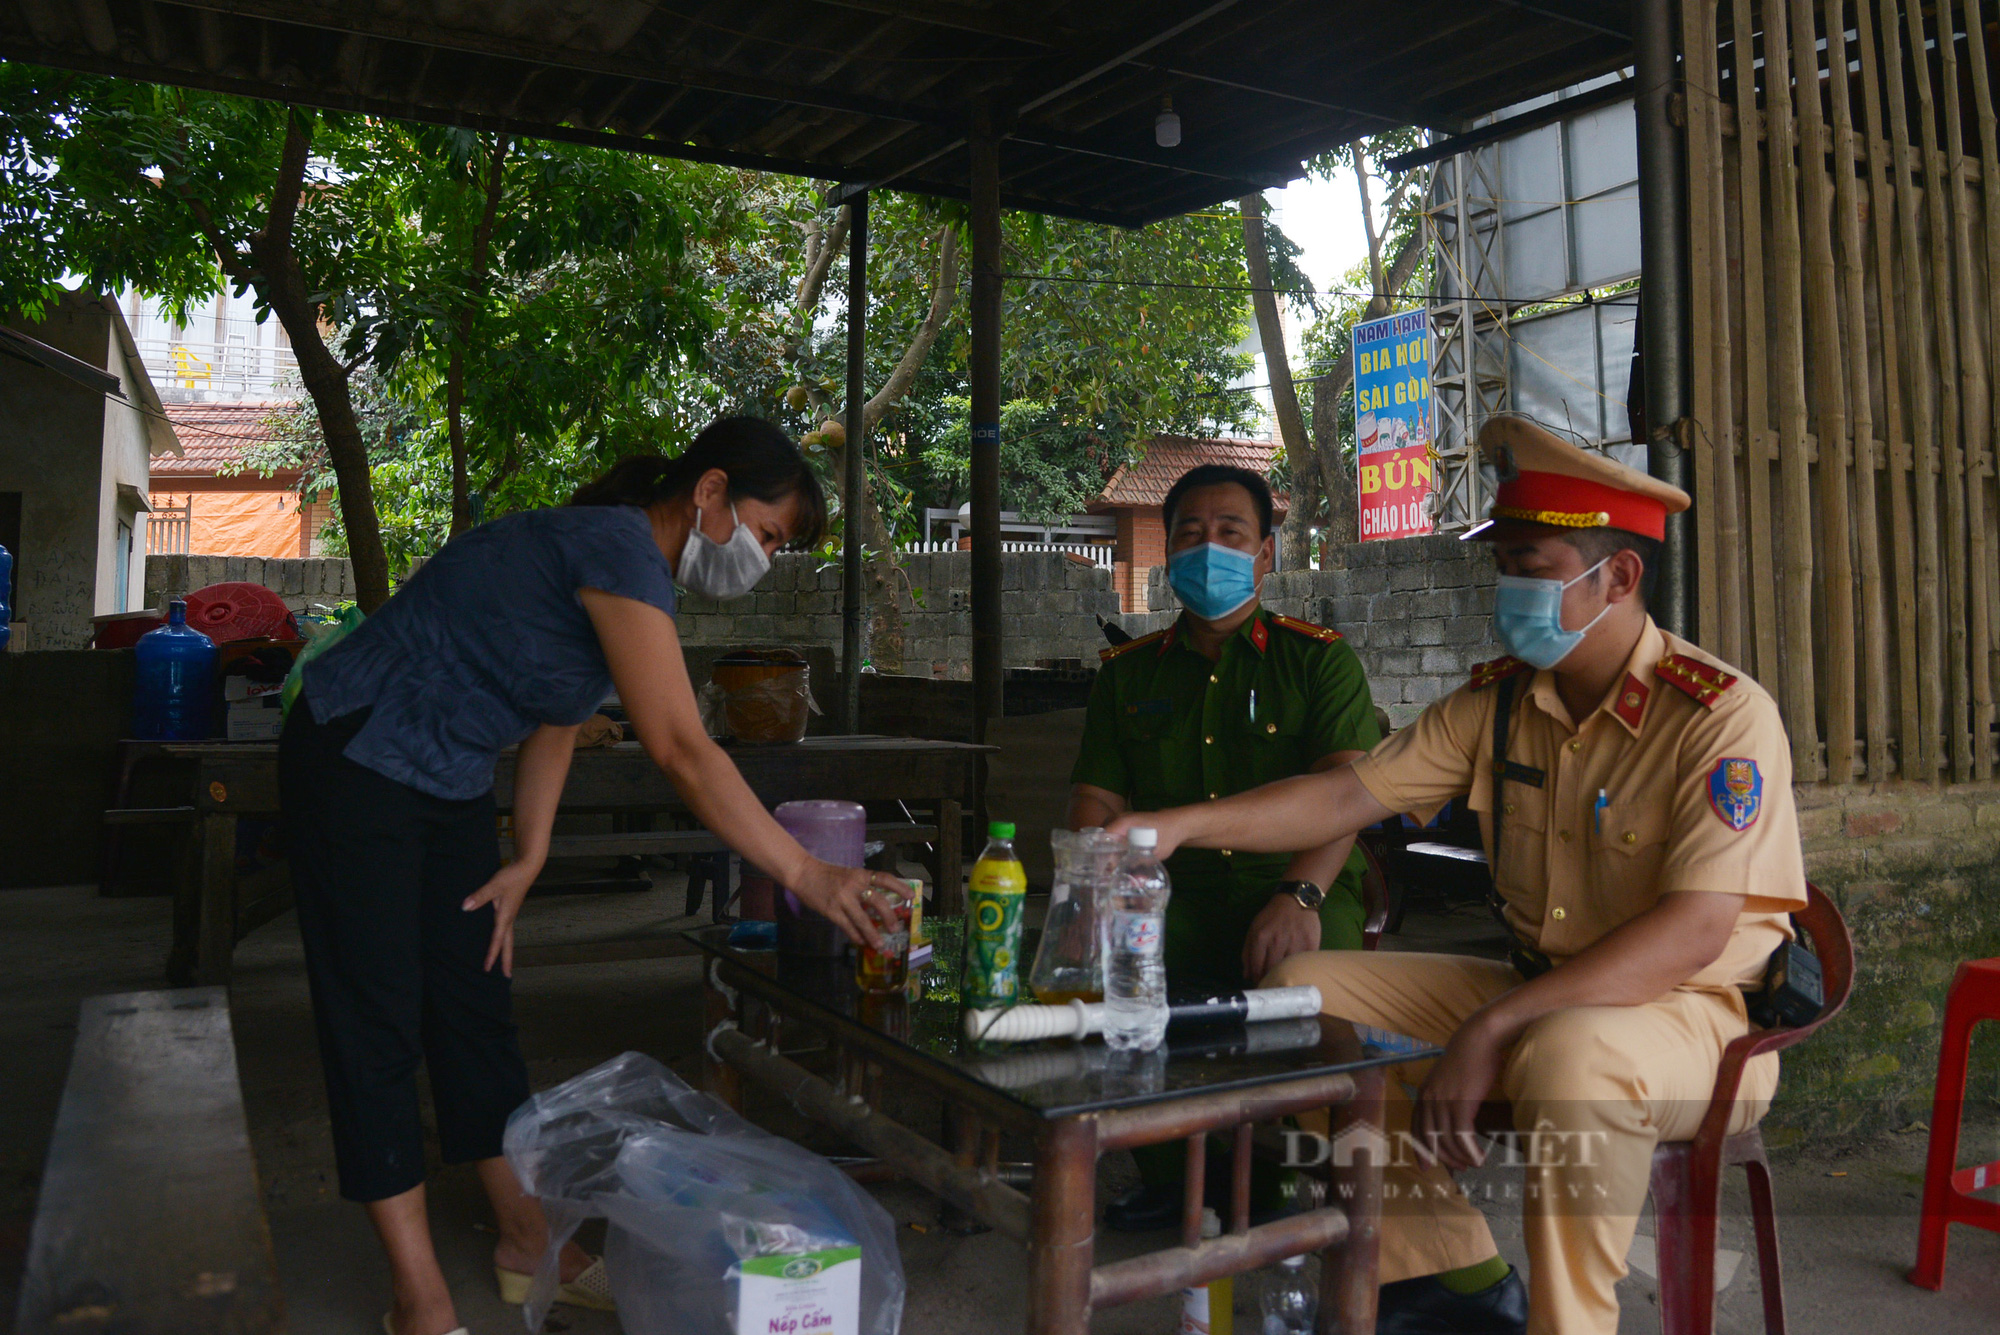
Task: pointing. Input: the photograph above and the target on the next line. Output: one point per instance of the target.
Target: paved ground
(1848, 1217)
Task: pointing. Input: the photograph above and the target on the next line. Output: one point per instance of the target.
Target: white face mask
(721, 569)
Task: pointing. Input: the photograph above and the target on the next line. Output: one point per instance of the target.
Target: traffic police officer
(1229, 697)
(1635, 798)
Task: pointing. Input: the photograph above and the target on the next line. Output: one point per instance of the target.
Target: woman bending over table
(514, 633)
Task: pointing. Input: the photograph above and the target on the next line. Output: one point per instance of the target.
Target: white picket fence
(1099, 553)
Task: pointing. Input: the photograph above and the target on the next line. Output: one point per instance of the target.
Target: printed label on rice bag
(812, 1293)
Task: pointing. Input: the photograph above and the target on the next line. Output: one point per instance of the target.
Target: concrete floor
(1847, 1214)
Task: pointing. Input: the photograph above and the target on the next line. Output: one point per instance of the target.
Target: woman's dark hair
(762, 462)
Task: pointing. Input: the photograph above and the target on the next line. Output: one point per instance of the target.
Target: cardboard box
(258, 718)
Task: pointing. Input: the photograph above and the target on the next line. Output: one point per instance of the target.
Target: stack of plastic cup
(832, 832)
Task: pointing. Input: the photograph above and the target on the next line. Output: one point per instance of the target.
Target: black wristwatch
(1310, 896)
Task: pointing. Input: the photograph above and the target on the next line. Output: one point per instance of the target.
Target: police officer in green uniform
(1229, 697)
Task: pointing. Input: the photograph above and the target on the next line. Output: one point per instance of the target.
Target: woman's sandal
(591, 1288)
(389, 1326)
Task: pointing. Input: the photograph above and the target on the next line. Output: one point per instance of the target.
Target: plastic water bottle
(176, 678)
(1289, 1302)
(6, 596)
(1135, 927)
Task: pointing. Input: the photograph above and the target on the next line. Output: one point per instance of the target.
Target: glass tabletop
(1058, 1077)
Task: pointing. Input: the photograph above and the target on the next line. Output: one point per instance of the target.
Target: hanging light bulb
(1167, 125)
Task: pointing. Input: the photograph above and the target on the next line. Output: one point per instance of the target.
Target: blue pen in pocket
(1603, 801)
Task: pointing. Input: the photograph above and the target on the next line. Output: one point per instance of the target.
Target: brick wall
(1142, 546)
(1861, 833)
(1417, 610)
(300, 581)
(1050, 602)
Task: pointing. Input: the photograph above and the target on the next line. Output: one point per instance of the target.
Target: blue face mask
(1213, 580)
(1527, 616)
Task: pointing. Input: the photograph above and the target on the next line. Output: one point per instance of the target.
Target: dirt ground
(1847, 1213)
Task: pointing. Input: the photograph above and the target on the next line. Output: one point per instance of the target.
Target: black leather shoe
(1145, 1209)
(1422, 1306)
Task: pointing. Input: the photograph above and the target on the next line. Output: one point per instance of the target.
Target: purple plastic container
(832, 832)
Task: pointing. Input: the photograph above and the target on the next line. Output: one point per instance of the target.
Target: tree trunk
(284, 287)
(1284, 398)
(454, 385)
(1343, 504)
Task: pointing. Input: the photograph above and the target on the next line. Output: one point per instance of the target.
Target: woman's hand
(509, 886)
(851, 897)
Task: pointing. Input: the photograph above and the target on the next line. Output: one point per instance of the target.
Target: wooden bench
(150, 1219)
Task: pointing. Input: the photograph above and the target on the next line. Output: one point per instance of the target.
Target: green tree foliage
(592, 304)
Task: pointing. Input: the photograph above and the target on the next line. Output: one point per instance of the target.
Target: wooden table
(233, 780)
(1074, 1102)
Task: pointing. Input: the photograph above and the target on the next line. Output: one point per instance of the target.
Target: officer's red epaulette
(1108, 654)
(1499, 669)
(1324, 634)
(1704, 683)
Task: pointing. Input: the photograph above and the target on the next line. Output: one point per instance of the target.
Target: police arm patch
(1736, 792)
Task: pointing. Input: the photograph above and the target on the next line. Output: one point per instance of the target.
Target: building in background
(221, 355)
(80, 428)
(224, 377)
(1535, 303)
(207, 502)
(1133, 494)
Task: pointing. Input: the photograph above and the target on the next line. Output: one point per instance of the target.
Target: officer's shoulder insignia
(1704, 683)
(1498, 669)
(1324, 634)
(1108, 654)
(1736, 792)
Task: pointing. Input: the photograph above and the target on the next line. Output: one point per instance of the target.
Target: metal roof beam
(348, 19)
(1610, 20)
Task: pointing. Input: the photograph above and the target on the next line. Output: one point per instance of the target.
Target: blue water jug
(171, 698)
(6, 597)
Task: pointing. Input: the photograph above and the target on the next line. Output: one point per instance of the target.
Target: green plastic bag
(331, 631)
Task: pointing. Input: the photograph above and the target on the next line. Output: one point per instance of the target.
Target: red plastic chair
(1974, 996)
(1687, 1174)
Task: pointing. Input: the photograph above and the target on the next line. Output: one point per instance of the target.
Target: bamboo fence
(1844, 246)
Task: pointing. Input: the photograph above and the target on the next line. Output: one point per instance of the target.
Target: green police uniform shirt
(1166, 727)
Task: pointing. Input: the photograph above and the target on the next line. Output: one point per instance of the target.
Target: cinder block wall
(1051, 604)
(300, 581)
(1417, 610)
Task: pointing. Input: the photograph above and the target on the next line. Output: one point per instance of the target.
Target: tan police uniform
(1679, 780)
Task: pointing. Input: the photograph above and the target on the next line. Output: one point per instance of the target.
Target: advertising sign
(1392, 424)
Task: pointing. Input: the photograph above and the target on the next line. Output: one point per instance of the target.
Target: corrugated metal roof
(877, 92)
(214, 436)
(1167, 457)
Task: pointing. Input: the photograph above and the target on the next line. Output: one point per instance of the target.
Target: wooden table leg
(962, 1138)
(1348, 1271)
(717, 1077)
(215, 939)
(1064, 1245)
(950, 874)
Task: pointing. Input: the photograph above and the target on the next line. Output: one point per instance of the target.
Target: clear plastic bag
(710, 1221)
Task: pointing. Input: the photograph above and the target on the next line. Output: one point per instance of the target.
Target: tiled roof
(1165, 458)
(213, 437)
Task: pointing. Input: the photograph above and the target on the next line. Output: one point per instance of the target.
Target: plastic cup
(885, 971)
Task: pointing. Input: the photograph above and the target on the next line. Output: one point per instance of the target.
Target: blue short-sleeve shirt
(487, 642)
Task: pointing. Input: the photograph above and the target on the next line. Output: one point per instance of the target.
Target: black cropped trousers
(379, 871)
